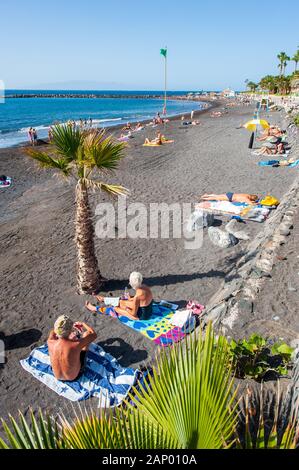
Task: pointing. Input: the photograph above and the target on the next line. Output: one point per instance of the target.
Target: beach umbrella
(254, 123)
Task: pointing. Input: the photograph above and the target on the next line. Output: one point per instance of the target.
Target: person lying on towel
(68, 344)
(231, 197)
(278, 149)
(156, 141)
(139, 307)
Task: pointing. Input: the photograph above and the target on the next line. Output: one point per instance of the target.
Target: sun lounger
(102, 377)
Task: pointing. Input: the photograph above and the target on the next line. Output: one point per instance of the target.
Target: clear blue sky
(115, 44)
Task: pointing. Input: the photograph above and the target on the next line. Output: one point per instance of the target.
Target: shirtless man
(231, 197)
(138, 307)
(67, 345)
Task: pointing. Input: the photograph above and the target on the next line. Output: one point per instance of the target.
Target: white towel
(181, 318)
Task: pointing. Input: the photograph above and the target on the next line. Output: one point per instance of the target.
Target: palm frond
(262, 430)
(111, 189)
(191, 394)
(43, 434)
(67, 141)
(120, 429)
(47, 161)
(103, 152)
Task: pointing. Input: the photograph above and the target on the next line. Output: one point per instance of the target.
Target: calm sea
(18, 114)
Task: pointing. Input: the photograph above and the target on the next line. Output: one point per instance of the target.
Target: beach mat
(278, 154)
(102, 377)
(158, 328)
(152, 145)
(252, 213)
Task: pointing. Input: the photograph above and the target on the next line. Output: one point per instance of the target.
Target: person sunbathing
(278, 149)
(127, 127)
(138, 307)
(139, 127)
(272, 131)
(157, 141)
(231, 197)
(68, 344)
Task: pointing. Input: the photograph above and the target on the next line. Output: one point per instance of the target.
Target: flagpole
(165, 95)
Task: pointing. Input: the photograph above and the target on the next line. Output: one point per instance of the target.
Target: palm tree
(189, 402)
(252, 86)
(82, 156)
(283, 59)
(295, 58)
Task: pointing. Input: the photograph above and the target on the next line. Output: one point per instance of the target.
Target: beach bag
(269, 201)
(198, 220)
(195, 307)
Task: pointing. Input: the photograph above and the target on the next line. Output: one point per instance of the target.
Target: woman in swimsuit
(156, 141)
(231, 197)
(138, 307)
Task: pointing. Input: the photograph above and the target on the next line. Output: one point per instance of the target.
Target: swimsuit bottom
(230, 196)
(144, 313)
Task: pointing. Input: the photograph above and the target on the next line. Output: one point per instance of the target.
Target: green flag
(163, 52)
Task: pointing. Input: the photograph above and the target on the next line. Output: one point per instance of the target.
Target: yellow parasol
(252, 125)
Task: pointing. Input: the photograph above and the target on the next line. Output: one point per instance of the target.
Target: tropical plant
(284, 84)
(82, 156)
(189, 402)
(252, 86)
(283, 59)
(278, 431)
(255, 357)
(269, 82)
(295, 58)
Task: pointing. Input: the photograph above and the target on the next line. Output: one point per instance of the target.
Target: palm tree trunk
(88, 274)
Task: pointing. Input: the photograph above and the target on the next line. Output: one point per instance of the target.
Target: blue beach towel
(268, 163)
(102, 377)
(275, 162)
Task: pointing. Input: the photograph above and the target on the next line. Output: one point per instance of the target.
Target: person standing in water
(34, 134)
(30, 135)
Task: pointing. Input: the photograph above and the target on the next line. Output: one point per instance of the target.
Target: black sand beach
(38, 269)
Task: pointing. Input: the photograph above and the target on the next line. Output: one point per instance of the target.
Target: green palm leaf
(111, 189)
(42, 434)
(103, 152)
(67, 141)
(191, 394)
(47, 161)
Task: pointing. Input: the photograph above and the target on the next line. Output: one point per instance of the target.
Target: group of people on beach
(69, 341)
(32, 136)
(274, 141)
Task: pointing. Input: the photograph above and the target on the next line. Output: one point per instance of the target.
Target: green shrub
(255, 357)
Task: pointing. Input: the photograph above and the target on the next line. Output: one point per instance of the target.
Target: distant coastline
(92, 95)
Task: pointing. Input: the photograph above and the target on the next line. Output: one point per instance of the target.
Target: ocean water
(18, 114)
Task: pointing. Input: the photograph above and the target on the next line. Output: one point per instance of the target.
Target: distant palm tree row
(280, 83)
